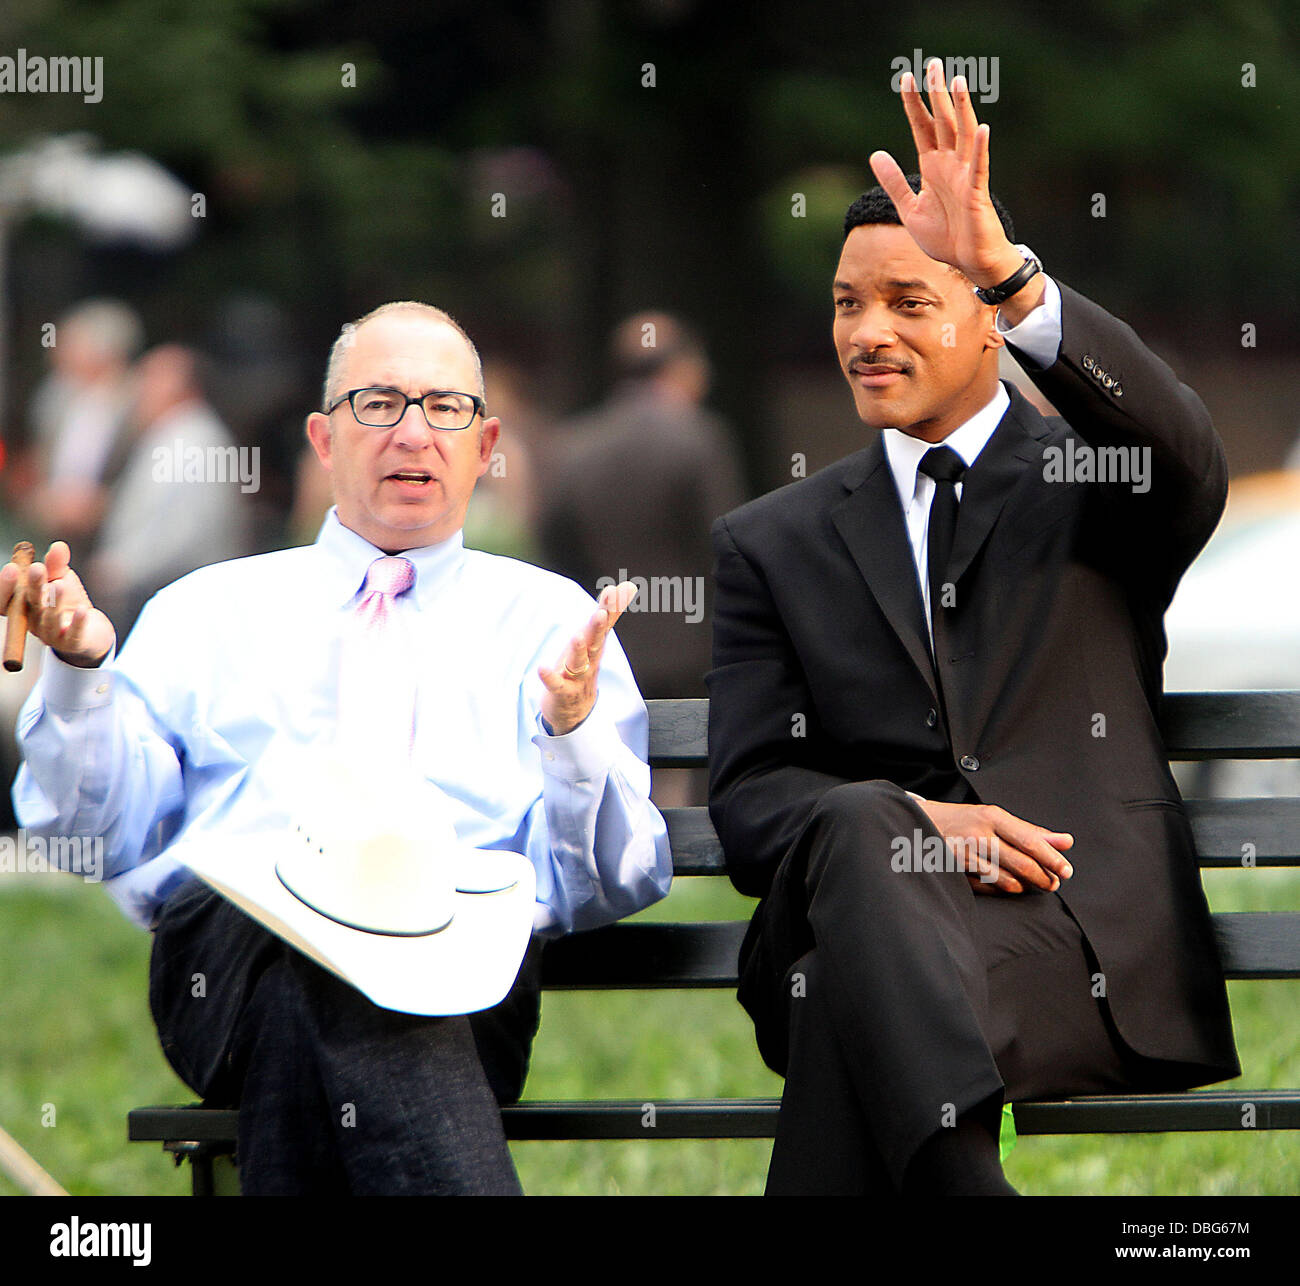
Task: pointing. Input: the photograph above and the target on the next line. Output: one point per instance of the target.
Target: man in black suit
(936, 670)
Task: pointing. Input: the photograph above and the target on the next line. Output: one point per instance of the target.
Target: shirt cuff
(590, 750)
(67, 687)
(1039, 335)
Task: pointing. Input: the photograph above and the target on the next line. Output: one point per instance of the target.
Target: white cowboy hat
(412, 918)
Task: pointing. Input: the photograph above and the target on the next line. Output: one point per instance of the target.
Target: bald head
(347, 338)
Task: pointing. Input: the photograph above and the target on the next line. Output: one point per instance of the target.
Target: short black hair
(876, 207)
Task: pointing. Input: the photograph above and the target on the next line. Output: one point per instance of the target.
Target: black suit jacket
(1052, 669)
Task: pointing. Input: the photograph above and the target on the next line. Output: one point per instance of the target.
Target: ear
(993, 338)
(320, 436)
(487, 443)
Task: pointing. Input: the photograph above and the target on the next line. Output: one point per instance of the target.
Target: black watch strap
(1022, 276)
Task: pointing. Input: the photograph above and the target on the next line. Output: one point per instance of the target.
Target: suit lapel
(870, 520)
(988, 484)
(1005, 479)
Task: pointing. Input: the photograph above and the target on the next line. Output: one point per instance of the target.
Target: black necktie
(946, 467)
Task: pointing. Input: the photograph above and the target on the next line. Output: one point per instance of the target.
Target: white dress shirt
(167, 741)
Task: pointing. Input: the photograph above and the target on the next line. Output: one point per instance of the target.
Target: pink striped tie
(377, 686)
(386, 578)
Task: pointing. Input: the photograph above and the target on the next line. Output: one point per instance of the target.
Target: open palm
(952, 218)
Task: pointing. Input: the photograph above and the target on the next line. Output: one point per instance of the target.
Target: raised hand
(59, 611)
(571, 684)
(952, 218)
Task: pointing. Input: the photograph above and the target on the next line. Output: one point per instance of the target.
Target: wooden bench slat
(1258, 944)
(645, 955)
(1159, 1113)
(1220, 828)
(756, 1118)
(1231, 725)
(167, 1124)
(626, 1119)
(695, 844)
(679, 733)
(1195, 725)
(654, 955)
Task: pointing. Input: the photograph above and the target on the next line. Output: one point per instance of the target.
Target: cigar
(16, 621)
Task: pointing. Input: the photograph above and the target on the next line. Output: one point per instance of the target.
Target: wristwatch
(1022, 276)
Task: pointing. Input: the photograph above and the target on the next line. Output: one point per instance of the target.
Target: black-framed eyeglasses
(381, 408)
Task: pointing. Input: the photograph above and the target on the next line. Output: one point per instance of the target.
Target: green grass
(75, 1032)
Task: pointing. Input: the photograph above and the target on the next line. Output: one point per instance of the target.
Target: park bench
(1238, 833)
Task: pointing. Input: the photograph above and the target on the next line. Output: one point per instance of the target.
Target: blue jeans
(335, 1094)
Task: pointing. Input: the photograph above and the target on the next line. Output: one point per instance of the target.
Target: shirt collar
(904, 452)
(348, 556)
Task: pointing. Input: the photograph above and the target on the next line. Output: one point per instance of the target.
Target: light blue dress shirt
(167, 740)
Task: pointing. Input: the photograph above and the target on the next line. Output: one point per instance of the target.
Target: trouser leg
(936, 996)
(333, 1090)
(895, 945)
(399, 1101)
(285, 1143)
(823, 1143)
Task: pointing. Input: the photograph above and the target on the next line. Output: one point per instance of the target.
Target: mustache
(862, 364)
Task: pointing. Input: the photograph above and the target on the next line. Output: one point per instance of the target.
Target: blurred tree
(541, 169)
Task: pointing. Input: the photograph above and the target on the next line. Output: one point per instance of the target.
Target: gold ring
(576, 674)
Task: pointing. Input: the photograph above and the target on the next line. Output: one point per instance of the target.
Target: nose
(873, 328)
(413, 430)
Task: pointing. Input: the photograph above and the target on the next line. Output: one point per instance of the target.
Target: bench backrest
(1196, 726)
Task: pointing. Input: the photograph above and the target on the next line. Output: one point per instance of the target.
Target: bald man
(526, 716)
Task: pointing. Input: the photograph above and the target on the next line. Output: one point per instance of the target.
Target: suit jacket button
(1087, 362)
(970, 763)
(931, 718)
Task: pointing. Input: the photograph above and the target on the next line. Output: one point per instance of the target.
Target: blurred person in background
(502, 517)
(634, 493)
(257, 374)
(182, 497)
(77, 417)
